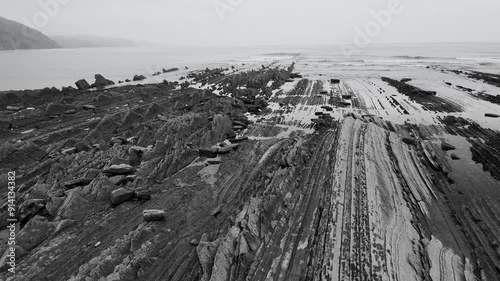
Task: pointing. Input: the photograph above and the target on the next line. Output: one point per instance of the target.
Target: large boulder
(82, 84)
(139, 77)
(491, 115)
(446, 146)
(100, 81)
(135, 154)
(121, 195)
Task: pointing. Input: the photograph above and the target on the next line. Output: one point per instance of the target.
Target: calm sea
(32, 69)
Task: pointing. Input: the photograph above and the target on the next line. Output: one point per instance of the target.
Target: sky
(264, 22)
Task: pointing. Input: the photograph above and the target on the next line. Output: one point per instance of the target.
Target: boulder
(121, 169)
(135, 154)
(139, 77)
(455, 157)
(170, 70)
(100, 81)
(153, 215)
(121, 195)
(446, 146)
(491, 115)
(82, 84)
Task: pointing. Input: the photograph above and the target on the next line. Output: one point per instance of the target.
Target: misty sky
(262, 22)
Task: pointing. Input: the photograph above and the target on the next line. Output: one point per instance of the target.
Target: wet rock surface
(241, 178)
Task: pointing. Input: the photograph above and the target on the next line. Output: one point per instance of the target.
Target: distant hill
(14, 35)
(92, 41)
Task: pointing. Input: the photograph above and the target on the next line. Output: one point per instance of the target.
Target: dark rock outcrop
(100, 81)
(446, 146)
(139, 78)
(82, 84)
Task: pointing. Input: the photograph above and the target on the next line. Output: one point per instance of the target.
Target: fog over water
(260, 22)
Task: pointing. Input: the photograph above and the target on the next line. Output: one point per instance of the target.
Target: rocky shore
(251, 174)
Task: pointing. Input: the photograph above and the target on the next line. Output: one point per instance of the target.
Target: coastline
(271, 163)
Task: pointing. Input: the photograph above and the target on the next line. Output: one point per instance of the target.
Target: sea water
(33, 69)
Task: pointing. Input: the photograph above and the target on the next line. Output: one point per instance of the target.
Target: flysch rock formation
(249, 174)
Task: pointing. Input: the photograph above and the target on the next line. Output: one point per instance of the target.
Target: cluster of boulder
(166, 71)
(239, 123)
(100, 82)
(103, 153)
(138, 77)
